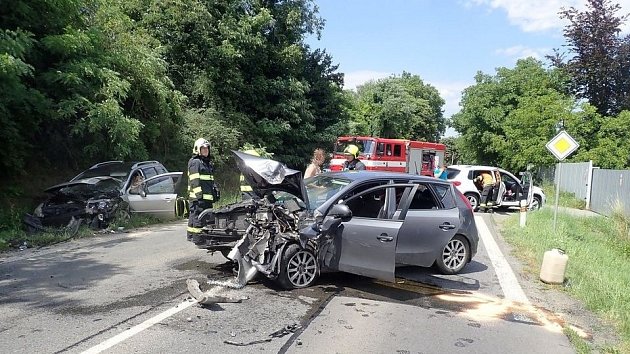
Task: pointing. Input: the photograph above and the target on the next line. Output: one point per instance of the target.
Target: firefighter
(246, 189)
(351, 152)
(202, 191)
(487, 184)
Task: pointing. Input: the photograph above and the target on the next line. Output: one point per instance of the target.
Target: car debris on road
(211, 296)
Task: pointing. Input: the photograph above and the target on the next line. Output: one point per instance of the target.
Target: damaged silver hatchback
(360, 222)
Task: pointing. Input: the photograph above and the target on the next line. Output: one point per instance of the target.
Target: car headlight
(38, 211)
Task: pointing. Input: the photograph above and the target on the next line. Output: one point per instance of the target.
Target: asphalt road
(126, 293)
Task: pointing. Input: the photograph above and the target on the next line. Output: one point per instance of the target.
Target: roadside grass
(566, 199)
(13, 235)
(598, 271)
(581, 346)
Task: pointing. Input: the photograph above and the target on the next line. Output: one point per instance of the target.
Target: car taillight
(466, 201)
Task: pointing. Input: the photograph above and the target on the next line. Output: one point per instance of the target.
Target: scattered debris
(277, 334)
(211, 296)
(286, 330)
(189, 319)
(240, 344)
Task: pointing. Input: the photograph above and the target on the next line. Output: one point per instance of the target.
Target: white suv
(511, 190)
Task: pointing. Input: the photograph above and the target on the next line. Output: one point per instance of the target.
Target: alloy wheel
(454, 254)
(302, 268)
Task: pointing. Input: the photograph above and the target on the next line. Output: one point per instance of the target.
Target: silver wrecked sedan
(361, 222)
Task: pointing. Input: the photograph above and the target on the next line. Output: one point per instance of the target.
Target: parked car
(104, 191)
(359, 222)
(512, 189)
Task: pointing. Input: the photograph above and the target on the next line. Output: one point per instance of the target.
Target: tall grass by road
(598, 271)
(566, 199)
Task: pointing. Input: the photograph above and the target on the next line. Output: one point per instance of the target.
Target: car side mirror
(143, 193)
(340, 211)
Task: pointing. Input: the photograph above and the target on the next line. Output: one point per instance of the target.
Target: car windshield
(118, 170)
(321, 188)
(451, 173)
(365, 146)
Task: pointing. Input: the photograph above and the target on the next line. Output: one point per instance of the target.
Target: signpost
(561, 146)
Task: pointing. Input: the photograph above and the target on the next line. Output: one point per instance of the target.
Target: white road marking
(511, 288)
(139, 328)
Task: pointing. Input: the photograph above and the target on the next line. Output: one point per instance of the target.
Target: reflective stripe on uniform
(206, 177)
(196, 190)
(208, 197)
(193, 176)
(246, 189)
(192, 195)
(194, 230)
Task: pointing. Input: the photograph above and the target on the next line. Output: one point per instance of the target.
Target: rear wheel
(536, 203)
(473, 199)
(454, 256)
(298, 268)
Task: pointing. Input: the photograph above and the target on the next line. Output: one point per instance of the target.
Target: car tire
(473, 199)
(298, 268)
(536, 203)
(454, 256)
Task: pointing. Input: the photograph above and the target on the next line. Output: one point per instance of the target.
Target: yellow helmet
(199, 143)
(252, 152)
(351, 150)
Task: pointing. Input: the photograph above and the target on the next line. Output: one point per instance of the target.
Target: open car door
(156, 196)
(498, 197)
(527, 184)
(367, 243)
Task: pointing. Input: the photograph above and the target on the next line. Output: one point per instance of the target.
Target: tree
(398, 107)
(506, 119)
(599, 62)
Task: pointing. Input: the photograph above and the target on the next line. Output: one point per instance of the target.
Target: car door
(527, 183)
(430, 221)
(156, 196)
(498, 180)
(366, 244)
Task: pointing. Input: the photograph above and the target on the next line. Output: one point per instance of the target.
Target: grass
(12, 234)
(566, 199)
(598, 272)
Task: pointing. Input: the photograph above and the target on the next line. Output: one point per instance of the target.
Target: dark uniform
(355, 164)
(202, 191)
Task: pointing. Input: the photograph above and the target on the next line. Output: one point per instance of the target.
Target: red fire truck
(400, 155)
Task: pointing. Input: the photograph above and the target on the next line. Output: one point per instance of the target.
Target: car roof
(369, 175)
(477, 167)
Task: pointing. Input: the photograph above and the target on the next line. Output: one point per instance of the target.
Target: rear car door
(429, 223)
(159, 196)
(498, 196)
(367, 243)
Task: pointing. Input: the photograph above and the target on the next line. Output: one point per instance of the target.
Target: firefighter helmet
(199, 143)
(252, 152)
(352, 150)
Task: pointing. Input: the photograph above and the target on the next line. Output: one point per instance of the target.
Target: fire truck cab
(399, 155)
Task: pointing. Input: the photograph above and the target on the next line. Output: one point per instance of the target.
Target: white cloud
(358, 78)
(520, 51)
(451, 92)
(539, 15)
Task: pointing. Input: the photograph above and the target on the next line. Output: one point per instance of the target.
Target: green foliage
(517, 110)
(599, 54)
(398, 107)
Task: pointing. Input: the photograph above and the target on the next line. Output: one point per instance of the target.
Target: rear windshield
(452, 172)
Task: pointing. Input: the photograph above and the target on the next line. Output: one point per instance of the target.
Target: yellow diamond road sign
(562, 145)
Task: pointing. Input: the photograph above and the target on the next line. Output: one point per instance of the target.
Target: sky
(445, 42)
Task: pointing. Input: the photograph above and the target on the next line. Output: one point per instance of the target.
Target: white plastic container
(554, 266)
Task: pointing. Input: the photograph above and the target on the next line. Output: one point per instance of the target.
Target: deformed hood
(266, 175)
(89, 182)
